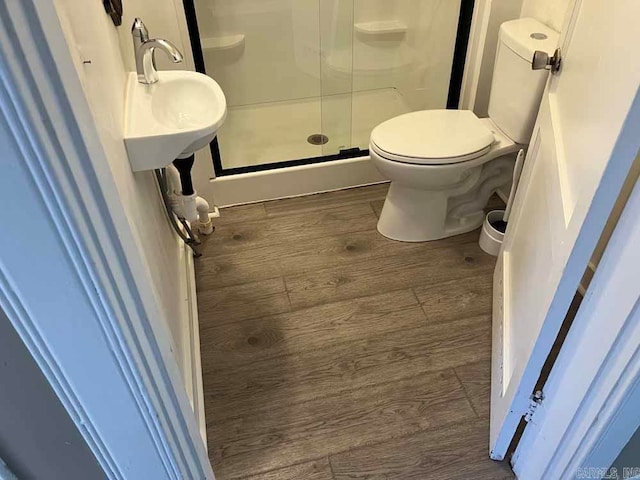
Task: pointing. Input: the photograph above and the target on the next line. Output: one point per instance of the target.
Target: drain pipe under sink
(184, 200)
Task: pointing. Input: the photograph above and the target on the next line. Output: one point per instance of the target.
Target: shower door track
(220, 171)
(453, 97)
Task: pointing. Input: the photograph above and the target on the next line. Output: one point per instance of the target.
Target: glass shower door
(403, 53)
(336, 79)
(270, 81)
(307, 80)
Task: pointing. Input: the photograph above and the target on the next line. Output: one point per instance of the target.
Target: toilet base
(414, 215)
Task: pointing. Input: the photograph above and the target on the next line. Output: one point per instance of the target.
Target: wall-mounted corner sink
(174, 117)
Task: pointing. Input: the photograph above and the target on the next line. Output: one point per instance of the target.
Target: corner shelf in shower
(381, 28)
(226, 42)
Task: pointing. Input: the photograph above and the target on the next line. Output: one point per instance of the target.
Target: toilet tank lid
(436, 135)
(526, 35)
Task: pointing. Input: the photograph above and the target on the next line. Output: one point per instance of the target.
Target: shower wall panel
(278, 58)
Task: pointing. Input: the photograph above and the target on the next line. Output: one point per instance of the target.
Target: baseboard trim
(192, 360)
(293, 181)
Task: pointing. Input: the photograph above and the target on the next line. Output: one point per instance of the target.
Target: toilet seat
(432, 137)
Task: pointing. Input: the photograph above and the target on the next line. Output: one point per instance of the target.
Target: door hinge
(534, 402)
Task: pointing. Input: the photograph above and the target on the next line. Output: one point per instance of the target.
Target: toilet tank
(516, 89)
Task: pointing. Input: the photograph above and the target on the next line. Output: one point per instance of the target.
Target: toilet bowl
(445, 164)
(440, 185)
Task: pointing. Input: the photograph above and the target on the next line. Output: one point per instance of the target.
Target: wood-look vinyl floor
(332, 353)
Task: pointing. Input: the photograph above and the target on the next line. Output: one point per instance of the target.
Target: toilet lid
(432, 137)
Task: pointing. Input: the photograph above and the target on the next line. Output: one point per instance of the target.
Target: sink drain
(317, 139)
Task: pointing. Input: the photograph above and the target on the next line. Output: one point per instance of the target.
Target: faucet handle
(139, 30)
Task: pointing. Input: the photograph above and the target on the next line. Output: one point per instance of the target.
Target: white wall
(93, 38)
(549, 12)
(164, 19)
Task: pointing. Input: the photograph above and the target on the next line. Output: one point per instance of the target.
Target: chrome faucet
(144, 50)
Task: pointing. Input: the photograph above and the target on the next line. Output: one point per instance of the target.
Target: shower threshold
(267, 133)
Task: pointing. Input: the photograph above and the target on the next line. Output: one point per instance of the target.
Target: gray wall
(630, 455)
(38, 439)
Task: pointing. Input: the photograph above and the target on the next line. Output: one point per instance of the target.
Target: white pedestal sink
(174, 117)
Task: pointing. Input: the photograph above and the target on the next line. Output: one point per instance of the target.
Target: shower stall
(307, 80)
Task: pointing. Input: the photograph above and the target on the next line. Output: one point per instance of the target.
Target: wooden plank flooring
(331, 353)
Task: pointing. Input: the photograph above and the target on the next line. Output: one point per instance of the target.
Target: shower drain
(317, 139)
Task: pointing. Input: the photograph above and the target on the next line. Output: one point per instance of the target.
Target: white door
(581, 150)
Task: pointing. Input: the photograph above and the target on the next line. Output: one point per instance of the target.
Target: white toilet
(445, 164)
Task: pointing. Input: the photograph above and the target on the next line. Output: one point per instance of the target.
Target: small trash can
(492, 232)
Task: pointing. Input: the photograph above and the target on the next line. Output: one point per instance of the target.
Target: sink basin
(174, 117)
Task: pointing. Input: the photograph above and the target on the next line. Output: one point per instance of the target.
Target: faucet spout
(166, 46)
(144, 50)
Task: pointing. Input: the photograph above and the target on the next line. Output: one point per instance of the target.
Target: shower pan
(307, 80)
